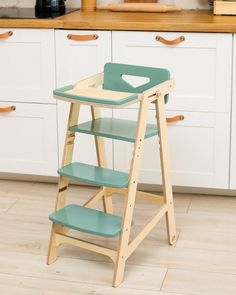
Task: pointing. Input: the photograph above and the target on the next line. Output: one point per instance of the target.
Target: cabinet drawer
(201, 65)
(199, 150)
(27, 68)
(29, 139)
(83, 58)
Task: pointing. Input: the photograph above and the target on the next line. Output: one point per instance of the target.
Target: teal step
(94, 175)
(88, 220)
(113, 128)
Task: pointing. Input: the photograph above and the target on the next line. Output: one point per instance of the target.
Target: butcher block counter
(185, 21)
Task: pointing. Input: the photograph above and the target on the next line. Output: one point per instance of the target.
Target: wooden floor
(202, 262)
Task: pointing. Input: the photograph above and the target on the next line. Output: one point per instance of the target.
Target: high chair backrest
(114, 74)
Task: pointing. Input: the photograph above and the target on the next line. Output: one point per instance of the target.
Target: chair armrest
(94, 81)
(159, 90)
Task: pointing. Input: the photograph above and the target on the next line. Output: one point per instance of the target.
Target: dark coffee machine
(49, 8)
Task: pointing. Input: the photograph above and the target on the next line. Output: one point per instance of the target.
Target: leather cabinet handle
(170, 42)
(7, 109)
(6, 35)
(82, 37)
(175, 119)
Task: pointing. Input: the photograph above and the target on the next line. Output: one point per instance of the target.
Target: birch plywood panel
(225, 7)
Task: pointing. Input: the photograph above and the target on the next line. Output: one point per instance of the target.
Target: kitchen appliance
(41, 11)
(44, 8)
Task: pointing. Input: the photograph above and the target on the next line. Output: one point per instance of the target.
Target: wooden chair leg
(101, 158)
(164, 155)
(133, 181)
(63, 181)
(52, 249)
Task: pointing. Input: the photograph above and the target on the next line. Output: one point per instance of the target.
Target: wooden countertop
(186, 21)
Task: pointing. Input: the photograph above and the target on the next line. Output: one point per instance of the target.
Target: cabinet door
(29, 139)
(199, 150)
(75, 61)
(201, 65)
(27, 65)
(233, 127)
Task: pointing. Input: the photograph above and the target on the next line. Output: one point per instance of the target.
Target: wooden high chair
(115, 93)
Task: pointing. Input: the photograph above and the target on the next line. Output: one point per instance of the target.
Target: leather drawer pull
(7, 109)
(6, 35)
(170, 42)
(82, 37)
(175, 119)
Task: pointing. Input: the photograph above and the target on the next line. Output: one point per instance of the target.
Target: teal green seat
(113, 80)
(88, 220)
(94, 175)
(113, 128)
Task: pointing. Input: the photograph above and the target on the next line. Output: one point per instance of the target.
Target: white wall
(186, 4)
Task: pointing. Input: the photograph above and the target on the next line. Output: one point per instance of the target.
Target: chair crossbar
(146, 230)
(64, 239)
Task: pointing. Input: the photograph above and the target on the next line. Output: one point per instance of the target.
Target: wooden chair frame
(59, 234)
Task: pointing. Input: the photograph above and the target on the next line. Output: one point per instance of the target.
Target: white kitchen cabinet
(201, 65)
(27, 79)
(233, 126)
(29, 139)
(199, 145)
(75, 61)
(199, 150)
(27, 72)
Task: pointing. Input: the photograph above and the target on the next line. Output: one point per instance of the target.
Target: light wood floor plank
(18, 285)
(80, 271)
(213, 204)
(207, 240)
(6, 202)
(199, 283)
(207, 221)
(192, 259)
(202, 262)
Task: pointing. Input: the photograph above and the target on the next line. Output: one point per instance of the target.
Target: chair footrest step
(88, 220)
(113, 128)
(94, 175)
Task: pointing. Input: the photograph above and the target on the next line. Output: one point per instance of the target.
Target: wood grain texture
(138, 7)
(185, 21)
(200, 283)
(225, 7)
(202, 263)
(31, 23)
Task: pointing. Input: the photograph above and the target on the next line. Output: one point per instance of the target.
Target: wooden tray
(225, 7)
